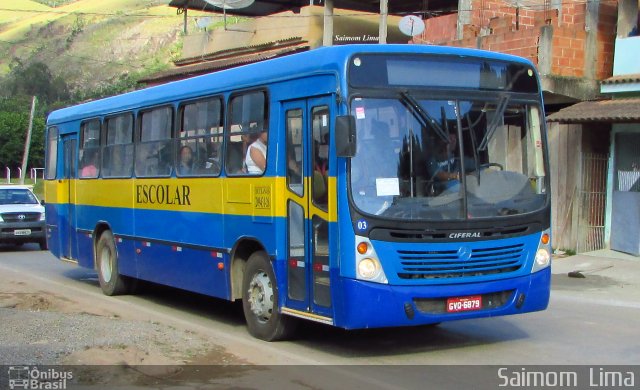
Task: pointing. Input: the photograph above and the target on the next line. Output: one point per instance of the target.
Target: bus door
(67, 205)
(307, 126)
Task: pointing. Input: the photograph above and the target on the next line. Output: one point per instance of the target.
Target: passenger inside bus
(89, 168)
(256, 159)
(185, 163)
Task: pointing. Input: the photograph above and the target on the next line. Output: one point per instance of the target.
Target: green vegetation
(14, 121)
(68, 51)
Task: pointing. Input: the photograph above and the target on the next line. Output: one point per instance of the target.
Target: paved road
(590, 321)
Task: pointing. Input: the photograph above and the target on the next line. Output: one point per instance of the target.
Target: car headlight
(543, 254)
(42, 217)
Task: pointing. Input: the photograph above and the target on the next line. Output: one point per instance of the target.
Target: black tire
(260, 301)
(111, 282)
(43, 244)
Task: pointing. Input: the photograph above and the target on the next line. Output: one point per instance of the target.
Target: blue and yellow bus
(395, 185)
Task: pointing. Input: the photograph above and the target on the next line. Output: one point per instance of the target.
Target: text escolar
(163, 194)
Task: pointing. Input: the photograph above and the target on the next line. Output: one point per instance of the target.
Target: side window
(52, 152)
(294, 150)
(117, 156)
(154, 153)
(89, 156)
(200, 148)
(320, 156)
(247, 135)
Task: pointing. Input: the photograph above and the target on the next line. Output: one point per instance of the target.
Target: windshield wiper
(423, 116)
(495, 122)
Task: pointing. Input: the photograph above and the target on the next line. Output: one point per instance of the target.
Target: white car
(21, 216)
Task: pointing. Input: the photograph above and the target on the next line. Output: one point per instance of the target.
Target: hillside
(91, 43)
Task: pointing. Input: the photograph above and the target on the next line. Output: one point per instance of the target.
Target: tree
(14, 120)
(35, 79)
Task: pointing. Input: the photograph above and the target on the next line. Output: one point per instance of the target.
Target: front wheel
(260, 301)
(111, 282)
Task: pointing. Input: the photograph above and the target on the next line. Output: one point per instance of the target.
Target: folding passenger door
(307, 124)
(67, 217)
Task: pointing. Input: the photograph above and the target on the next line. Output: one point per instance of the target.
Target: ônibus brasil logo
(25, 377)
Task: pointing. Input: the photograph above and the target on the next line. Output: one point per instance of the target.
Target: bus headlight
(368, 265)
(543, 254)
(368, 268)
(542, 257)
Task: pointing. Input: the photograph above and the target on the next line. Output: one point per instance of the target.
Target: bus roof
(321, 60)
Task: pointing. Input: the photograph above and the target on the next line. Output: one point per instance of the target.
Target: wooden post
(27, 142)
(185, 20)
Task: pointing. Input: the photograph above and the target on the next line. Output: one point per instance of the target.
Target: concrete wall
(349, 27)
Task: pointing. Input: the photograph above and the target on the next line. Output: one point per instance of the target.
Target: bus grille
(446, 264)
(21, 217)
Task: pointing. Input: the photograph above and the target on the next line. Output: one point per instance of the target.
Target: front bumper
(371, 305)
(37, 232)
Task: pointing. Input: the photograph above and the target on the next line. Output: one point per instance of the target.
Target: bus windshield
(424, 158)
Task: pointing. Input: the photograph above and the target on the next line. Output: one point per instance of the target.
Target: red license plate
(455, 305)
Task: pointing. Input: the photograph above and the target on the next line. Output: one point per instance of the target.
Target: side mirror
(345, 136)
(42, 202)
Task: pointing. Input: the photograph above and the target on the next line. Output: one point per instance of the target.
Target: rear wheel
(111, 282)
(260, 300)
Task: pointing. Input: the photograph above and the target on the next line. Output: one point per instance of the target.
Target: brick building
(571, 43)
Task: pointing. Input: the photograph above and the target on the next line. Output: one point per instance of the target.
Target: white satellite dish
(410, 25)
(204, 22)
(230, 4)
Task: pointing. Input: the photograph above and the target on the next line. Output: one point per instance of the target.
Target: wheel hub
(105, 264)
(261, 296)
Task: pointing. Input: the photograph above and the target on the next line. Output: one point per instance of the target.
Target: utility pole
(327, 36)
(384, 12)
(27, 142)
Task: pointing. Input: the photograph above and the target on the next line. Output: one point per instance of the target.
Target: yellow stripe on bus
(260, 197)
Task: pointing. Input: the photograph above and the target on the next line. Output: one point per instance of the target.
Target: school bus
(399, 185)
